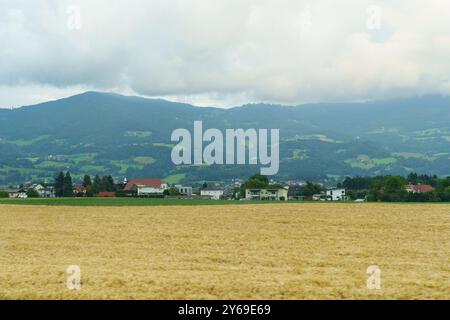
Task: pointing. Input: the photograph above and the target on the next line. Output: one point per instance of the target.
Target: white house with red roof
(421, 188)
(147, 186)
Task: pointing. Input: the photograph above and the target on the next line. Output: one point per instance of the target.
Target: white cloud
(224, 52)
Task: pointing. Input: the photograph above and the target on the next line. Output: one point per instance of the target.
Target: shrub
(4, 194)
(31, 193)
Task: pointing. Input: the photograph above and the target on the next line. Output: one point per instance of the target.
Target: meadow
(114, 202)
(248, 251)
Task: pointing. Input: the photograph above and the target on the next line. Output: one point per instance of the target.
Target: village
(256, 188)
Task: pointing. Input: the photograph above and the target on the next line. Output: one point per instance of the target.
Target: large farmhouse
(144, 187)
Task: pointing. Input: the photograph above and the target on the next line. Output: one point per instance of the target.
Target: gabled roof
(79, 187)
(421, 188)
(151, 182)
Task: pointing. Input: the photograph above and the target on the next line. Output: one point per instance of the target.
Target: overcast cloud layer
(224, 52)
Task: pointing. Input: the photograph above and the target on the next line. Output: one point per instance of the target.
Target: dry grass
(298, 251)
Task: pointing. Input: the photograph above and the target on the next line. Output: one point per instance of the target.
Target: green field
(115, 202)
(148, 202)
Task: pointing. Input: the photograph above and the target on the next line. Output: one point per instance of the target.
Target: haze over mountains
(102, 133)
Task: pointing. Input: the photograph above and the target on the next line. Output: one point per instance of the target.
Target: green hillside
(98, 133)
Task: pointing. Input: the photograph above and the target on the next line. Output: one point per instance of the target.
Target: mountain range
(105, 133)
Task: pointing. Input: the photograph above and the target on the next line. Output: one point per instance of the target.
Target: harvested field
(289, 251)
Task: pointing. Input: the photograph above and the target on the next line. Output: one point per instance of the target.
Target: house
(294, 192)
(229, 193)
(19, 193)
(336, 195)
(276, 194)
(144, 187)
(296, 183)
(79, 190)
(237, 183)
(43, 191)
(47, 192)
(421, 188)
(121, 185)
(319, 197)
(185, 191)
(212, 193)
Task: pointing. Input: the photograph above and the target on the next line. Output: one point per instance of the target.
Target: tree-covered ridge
(103, 134)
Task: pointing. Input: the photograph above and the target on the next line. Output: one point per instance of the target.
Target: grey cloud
(226, 52)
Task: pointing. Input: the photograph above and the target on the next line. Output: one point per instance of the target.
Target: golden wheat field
(291, 251)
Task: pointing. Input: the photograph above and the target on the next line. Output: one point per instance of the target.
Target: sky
(224, 52)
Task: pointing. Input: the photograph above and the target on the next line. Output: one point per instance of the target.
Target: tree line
(64, 185)
(393, 188)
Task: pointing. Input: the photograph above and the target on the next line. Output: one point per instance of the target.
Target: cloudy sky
(224, 52)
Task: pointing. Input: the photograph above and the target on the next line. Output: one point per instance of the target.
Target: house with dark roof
(294, 192)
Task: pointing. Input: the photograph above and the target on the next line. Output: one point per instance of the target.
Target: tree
(31, 193)
(310, 189)
(87, 181)
(414, 178)
(445, 194)
(443, 184)
(104, 186)
(111, 187)
(68, 186)
(59, 185)
(89, 191)
(97, 185)
(4, 194)
(256, 182)
(356, 183)
(172, 192)
(394, 189)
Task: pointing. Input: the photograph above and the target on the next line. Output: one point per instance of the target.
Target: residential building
(294, 192)
(421, 188)
(79, 190)
(336, 195)
(229, 193)
(277, 194)
(237, 183)
(212, 193)
(43, 191)
(47, 192)
(18, 193)
(296, 183)
(121, 185)
(319, 197)
(145, 187)
(185, 191)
